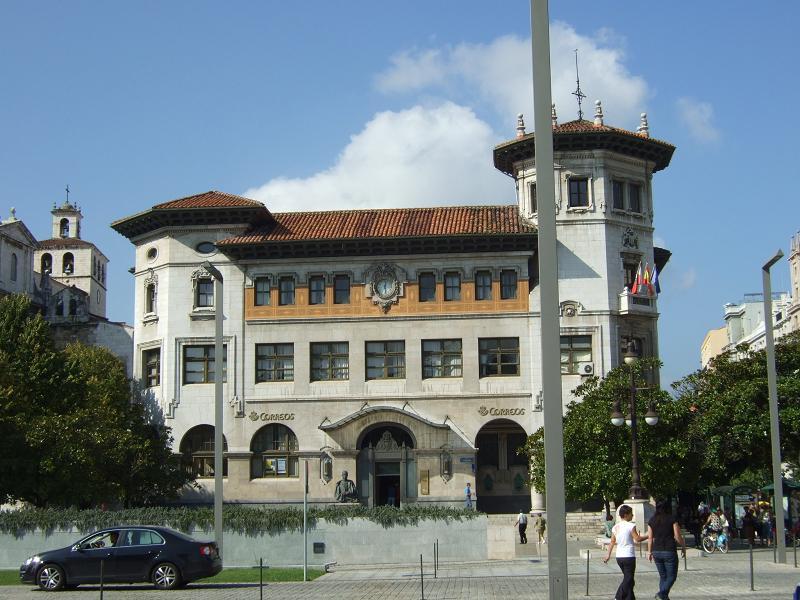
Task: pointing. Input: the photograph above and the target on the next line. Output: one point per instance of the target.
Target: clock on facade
(385, 287)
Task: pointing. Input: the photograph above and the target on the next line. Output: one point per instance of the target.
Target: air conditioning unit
(586, 368)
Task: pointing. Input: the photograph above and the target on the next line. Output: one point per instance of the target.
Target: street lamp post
(218, 412)
(631, 357)
(774, 421)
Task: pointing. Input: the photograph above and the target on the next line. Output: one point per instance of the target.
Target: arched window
(64, 228)
(197, 452)
(47, 263)
(73, 307)
(150, 298)
(59, 307)
(68, 263)
(274, 449)
(13, 267)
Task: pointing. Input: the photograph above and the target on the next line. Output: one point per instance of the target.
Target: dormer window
(68, 263)
(578, 192)
(64, 228)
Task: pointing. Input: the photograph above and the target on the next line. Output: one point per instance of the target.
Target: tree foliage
(70, 432)
(729, 408)
(597, 455)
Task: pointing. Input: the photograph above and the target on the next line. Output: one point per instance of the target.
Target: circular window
(152, 253)
(205, 248)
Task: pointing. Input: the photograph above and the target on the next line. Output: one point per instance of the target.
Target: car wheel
(51, 578)
(166, 576)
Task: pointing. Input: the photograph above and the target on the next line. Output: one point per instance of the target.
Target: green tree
(729, 406)
(70, 420)
(597, 455)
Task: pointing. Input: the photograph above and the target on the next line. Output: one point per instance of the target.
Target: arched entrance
(501, 479)
(386, 465)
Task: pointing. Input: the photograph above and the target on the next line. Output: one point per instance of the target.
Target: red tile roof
(56, 243)
(392, 222)
(210, 199)
(584, 126)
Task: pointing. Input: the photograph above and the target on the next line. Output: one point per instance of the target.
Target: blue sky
(320, 105)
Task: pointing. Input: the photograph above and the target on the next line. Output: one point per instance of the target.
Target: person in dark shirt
(664, 534)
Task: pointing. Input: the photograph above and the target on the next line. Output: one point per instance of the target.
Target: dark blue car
(129, 554)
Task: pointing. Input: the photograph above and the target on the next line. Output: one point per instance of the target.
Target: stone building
(17, 247)
(400, 345)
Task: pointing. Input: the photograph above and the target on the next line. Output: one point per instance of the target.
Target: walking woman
(663, 537)
(623, 536)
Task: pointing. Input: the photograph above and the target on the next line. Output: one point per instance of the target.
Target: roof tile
(392, 222)
(210, 199)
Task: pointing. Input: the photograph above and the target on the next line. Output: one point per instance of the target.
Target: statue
(346, 489)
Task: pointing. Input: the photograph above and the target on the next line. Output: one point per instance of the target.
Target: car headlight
(32, 560)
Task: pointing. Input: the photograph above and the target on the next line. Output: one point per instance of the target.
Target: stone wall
(358, 542)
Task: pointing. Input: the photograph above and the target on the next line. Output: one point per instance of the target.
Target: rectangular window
(151, 367)
(427, 287)
(386, 360)
(150, 298)
(286, 288)
(330, 361)
(498, 356)
(262, 291)
(618, 192)
(316, 290)
(635, 197)
(204, 296)
(508, 284)
(534, 207)
(483, 285)
(578, 192)
(341, 289)
(630, 274)
(452, 286)
(198, 364)
(274, 362)
(441, 358)
(575, 349)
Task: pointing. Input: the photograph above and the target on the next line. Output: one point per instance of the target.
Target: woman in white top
(623, 536)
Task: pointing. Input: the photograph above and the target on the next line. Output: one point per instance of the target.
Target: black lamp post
(630, 357)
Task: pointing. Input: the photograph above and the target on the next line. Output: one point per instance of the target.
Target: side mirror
(75, 547)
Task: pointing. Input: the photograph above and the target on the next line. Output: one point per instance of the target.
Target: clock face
(384, 287)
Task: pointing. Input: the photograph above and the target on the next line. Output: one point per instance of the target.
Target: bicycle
(713, 540)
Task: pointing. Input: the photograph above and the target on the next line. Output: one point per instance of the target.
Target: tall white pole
(774, 421)
(548, 288)
(305, 521)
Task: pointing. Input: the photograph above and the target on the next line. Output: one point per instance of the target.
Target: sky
(354, 104)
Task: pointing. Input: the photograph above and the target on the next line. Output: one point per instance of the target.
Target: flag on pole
(656, 285)
(637, 281)
(646, 279)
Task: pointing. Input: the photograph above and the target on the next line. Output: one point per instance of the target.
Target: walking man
(522, 521)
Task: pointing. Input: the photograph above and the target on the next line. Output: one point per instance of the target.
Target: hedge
(238, 518)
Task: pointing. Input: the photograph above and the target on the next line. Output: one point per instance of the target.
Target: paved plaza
(716, 577)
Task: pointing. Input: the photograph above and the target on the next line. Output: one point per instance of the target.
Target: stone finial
(520, 126)
(13, 214)
(553, 115)
(598, 113)
(643, 129)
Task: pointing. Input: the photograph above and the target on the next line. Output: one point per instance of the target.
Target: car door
(134, 554)
(84, 561)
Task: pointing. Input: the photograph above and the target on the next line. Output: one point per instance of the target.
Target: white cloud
(500, 73)
(687, 279)
(698, 117)
(416, 157)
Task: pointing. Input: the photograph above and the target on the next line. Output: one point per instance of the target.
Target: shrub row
(241, 519)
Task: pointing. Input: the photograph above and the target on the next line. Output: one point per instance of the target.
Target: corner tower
(605, 223)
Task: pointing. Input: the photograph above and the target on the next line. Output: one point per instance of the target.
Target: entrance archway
(386, 465)
(501, 479)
